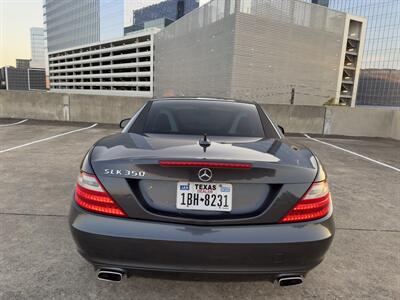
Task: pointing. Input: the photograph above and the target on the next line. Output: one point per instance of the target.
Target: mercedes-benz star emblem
(205, 174)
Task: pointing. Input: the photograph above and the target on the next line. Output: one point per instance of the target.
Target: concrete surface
(38, 258)
(33, 105)
(360, 121)
(297, 118)
(104, 109)
(68, 107)
(396, 125)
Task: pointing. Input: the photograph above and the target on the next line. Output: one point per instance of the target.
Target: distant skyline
(16, 19)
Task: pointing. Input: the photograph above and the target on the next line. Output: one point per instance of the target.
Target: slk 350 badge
(131, 173)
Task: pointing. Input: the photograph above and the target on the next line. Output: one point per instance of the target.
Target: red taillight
(204, 164)
(90, 195)
(315, 204)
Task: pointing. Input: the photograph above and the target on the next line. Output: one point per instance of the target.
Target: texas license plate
(204, 196)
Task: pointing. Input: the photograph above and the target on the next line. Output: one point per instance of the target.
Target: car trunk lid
(128, 165)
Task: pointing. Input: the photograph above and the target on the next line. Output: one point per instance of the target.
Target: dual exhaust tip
(117, 275)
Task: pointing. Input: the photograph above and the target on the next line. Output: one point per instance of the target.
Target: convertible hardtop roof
(203, 99)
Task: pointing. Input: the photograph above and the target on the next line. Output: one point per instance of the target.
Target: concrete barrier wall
(297, 118)
(67, 107)
(396, 125)
(369, 122)
(102, 109)
(32, 105)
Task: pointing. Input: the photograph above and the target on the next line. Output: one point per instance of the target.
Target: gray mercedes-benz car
(202, 185)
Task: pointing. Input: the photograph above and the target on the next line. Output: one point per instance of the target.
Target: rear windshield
(195, 117)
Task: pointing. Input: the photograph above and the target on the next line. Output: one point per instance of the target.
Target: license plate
(204, 196)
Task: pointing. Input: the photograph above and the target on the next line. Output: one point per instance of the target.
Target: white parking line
(20, 122)
(354, 153)
(47, 139)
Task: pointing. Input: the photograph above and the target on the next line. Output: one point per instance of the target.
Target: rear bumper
(134, 244)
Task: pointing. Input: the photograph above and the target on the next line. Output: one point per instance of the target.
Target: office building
(89, 53)
(379, 82)
(283, 52)
(321, 2)
(132, 28)
(23, 63)
(379, 78)
(379, 87)
(71, 23)
(122, 66)
(22, 79)
(157, 23)
(169, 9)
(2, 79)
(38, 48)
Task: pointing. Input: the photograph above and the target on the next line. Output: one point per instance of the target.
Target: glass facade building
(169, 9)
(71, 23)
(111, 19)
(379, 82)
(38, 48)
(23, 63)
(22, 79)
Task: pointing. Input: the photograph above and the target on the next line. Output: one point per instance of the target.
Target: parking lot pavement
(38, 258)
(13, 134)
(370, 147)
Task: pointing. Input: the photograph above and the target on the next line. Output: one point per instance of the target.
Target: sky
(16, 19)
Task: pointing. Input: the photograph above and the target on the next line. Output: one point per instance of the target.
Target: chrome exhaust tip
(110, 275)
(290, 280)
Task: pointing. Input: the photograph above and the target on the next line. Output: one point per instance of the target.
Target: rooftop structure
(283, 51)
(26, 79)
(122, 66)
(22, 63)
(169, 9)
(379, 81)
